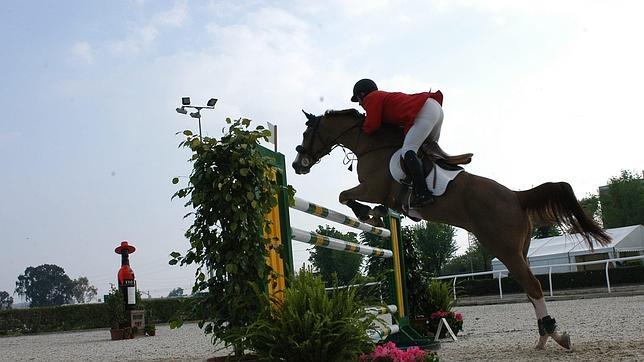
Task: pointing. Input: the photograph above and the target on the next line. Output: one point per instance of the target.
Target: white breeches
(428, 123)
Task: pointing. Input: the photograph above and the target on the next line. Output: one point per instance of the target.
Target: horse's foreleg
(363, 212)
(360, 210)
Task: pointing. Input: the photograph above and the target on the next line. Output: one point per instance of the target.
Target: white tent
(626, 241)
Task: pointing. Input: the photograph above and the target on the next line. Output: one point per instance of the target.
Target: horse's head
(310, 151)
(322, 134)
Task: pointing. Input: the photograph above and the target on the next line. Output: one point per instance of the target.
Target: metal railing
(328, 289)
(500, 272)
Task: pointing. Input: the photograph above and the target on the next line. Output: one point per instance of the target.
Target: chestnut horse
(501, 219)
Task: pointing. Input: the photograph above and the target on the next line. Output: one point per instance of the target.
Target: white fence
(500, 272)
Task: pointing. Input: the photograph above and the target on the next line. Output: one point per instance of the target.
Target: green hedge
(85, 316)
(573, 280)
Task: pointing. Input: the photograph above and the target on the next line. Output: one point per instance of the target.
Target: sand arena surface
(602, 329)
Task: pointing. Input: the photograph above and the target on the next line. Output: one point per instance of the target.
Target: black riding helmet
(365, 86)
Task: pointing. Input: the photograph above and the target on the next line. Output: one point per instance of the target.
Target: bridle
(314, 124)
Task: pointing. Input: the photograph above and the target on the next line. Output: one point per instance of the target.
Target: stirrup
(422, 199)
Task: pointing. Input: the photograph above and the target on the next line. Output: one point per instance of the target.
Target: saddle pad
(443, 176)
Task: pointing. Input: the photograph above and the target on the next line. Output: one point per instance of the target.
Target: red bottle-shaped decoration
(127, 283)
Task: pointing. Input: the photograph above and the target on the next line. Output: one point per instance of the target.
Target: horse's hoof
(379, 211)
(375, 221)
(541, 344)
(563, 340)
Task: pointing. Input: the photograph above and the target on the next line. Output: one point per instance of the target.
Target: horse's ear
(309, 116)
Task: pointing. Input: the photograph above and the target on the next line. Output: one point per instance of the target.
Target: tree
(176, 292)
(416, 277)
(45, 285)
(542, 232)
(592, 207)
(82, 291)
(435, 243)
(6, 301)
(622, 200)
(475, 259)
(426, 247)
(334, 263)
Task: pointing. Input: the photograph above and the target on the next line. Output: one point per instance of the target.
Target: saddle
(435, 153)
(430, 154)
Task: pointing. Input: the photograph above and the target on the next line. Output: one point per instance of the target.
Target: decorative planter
(127, 333)
(433, 326)
(117, 334)
(420, 325)
(151, 332)
(247, 358)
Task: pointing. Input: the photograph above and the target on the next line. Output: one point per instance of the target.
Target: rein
(332, 144)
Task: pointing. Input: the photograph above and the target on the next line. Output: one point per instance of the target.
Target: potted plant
(150, 329)
(117, 314)
(438, 304)
(454, 320)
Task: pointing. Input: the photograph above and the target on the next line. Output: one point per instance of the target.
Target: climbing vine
(230, 190)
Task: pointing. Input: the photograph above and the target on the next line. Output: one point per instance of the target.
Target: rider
(420, 115)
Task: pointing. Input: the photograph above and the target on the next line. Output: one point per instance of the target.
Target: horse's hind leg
(518, 267)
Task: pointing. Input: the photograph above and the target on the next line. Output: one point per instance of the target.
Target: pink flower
(389, 352)
(380, 352)
(459, 317)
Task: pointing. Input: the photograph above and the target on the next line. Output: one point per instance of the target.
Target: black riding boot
(422, 196)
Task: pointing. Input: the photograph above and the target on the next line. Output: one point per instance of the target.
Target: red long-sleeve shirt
(394, 108)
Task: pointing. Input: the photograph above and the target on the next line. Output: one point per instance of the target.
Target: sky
(538, 91)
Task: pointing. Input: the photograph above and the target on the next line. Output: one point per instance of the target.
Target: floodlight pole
(199, 120)
(197, 114)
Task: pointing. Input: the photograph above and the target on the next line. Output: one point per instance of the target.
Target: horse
(501, 219)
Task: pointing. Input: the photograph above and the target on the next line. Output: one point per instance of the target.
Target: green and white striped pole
(325, 213)
(337, 244)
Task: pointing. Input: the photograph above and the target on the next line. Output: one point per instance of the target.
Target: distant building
(571, 248)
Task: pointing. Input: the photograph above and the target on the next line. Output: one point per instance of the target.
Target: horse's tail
(555, 203)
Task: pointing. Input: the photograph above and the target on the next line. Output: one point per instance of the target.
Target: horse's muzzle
(300, 169)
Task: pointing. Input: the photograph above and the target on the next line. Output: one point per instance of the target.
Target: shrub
(311, 325)
(85, 316)
(439, 297)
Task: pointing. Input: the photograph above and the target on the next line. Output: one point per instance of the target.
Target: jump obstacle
(282, 234)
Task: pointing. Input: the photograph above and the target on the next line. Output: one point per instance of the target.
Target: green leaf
(187, 132)
(231, 268)
(176, 324)
(250, 196)
(243, 172)
(175, 180)
(175, 254)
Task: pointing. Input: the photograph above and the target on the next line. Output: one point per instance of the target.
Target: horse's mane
(385, 128)
(352, 112)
